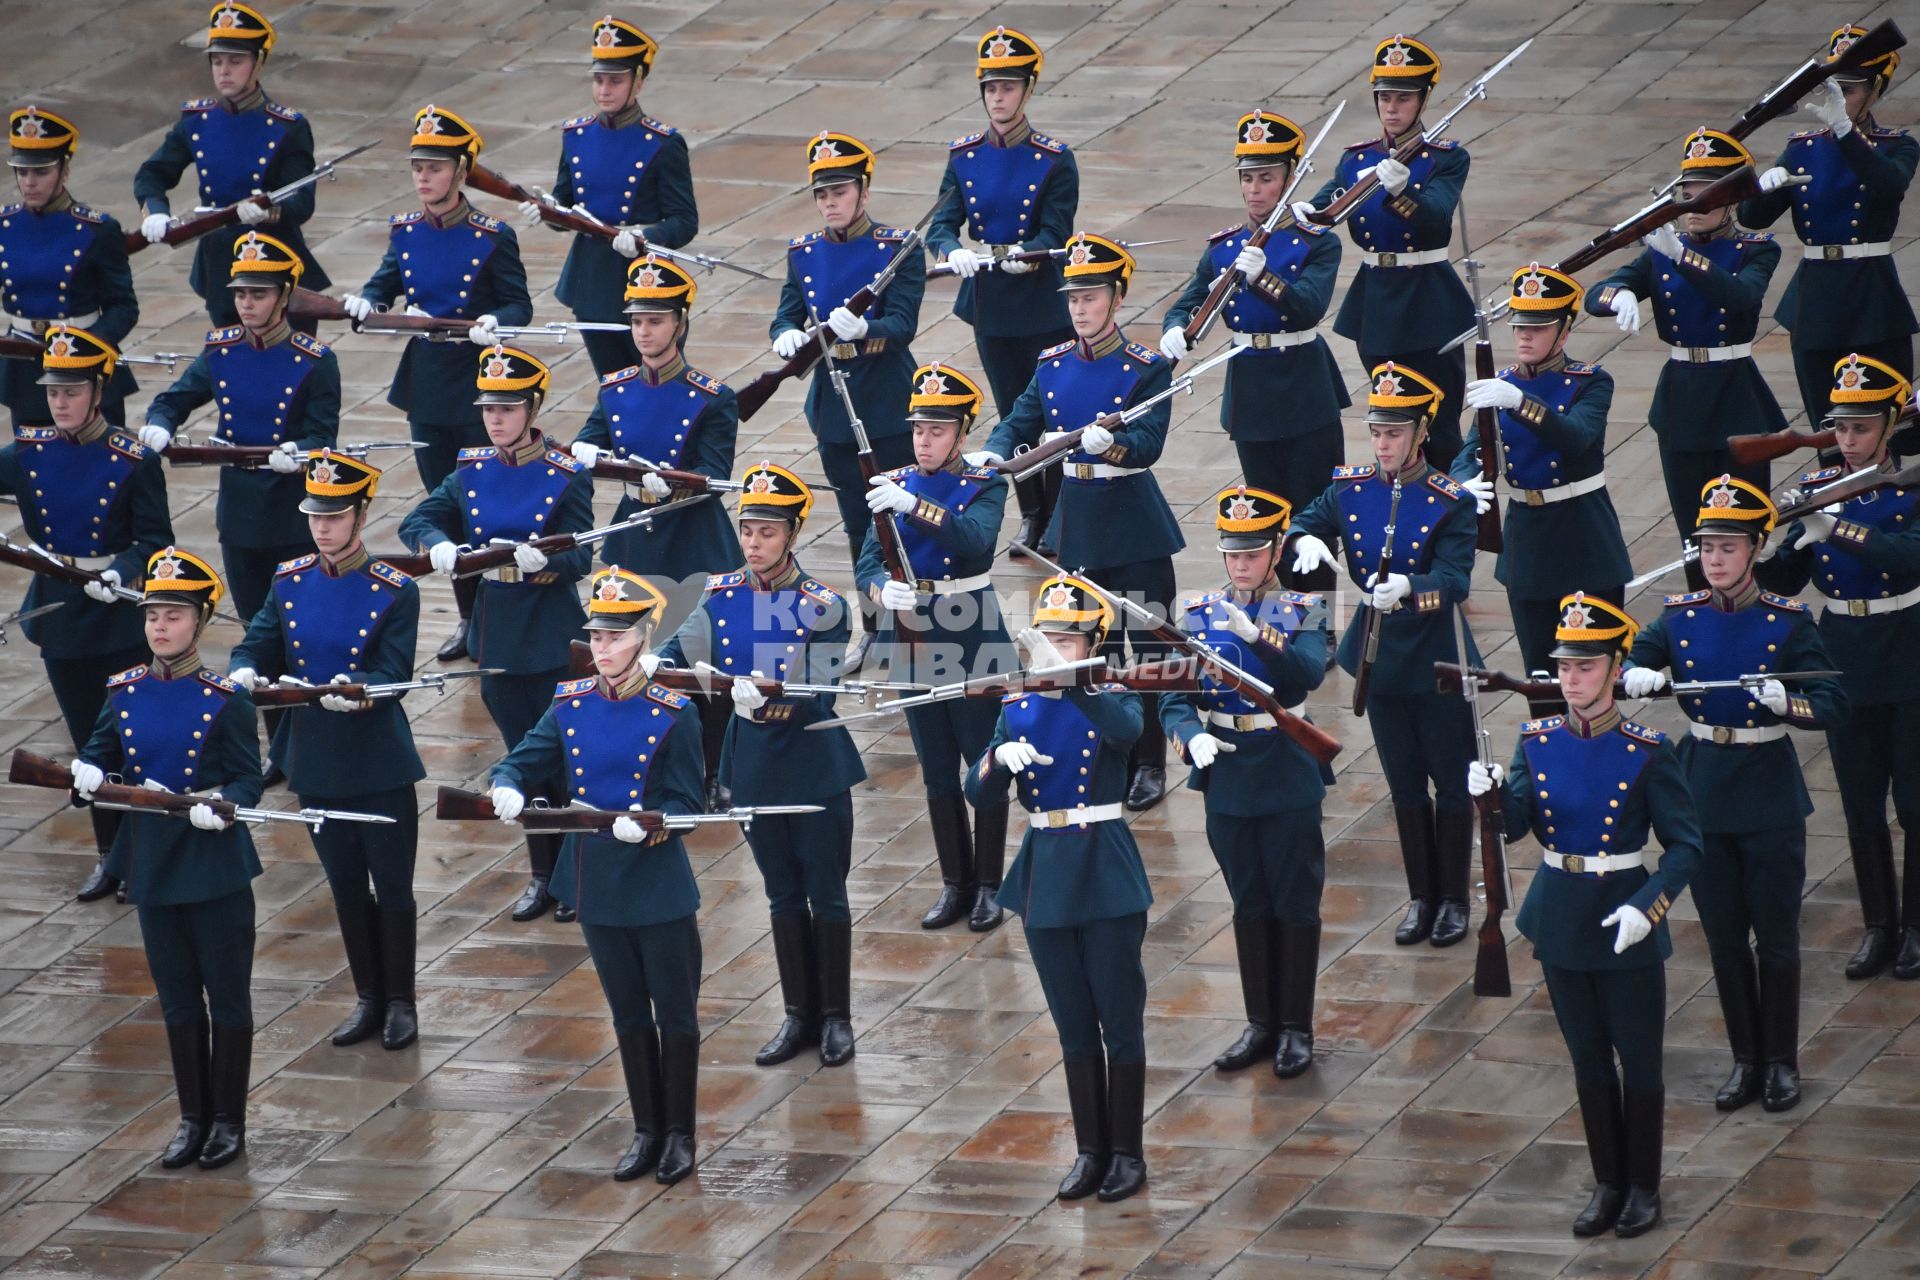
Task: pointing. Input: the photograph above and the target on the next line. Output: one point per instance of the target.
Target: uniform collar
(1553, 364)
(252, 100)
(667, 372)
(1101, 347)
(785, 576)
(185, 664)
(1745, 594)
(95, 429)
(1411, 475)
(1259, 593)
(1606, 722)
(1013, 137)
(352, 562)
(455, 216)
(625, 116)
(535, 447)
(61, 202)
(1388, 143)
(856, 229)
(273, 337)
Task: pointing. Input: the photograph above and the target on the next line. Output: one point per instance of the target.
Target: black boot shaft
(231, 1067)
(1297, 947)
(1087, 1103)
(1126, 1118)
(1645, 1117)
(833, 958)
(1414, 825)
(989, 865)
(1602, 1119)
(799, 990)
(680, 1075)
(190, 1051)
(953, 848)
(1253, 953)
(1780, 1036)
(398, 943)
(640, 1065)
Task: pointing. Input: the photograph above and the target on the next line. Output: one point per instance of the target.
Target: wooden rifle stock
(456, 804)
(1446, 679)
(1370, 621)
(487, 181)
(1150, 677)
(200, 224)
(31, 770)
(33, 562)
(1490, 973)
(1488, 537)
(1047, 451)
(1853, 486)
(756, 393)
(294, 695)
(1353, 197)
(633, 473)
(308, 305)
(1751, 451)
(1882, 39)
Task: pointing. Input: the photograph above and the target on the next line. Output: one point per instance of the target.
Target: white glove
(1096, 440)
(1493, 393)
(1203, 749)
(529, 558)
(286, 459)
(1250, 262)
(1626, 311)
(1018, 757)
(1828, 105)
(1482, 490)
(1774, 179)
(649, 663)
(1816, 526)
(1173, 343)
(421, 312)
(1239, 623)
(628, 831)
(103, 589)
(530, 212)
(251, 214)
(884, 495)
(586, 454)
(1302, 211)
(442, 555)
(485, 331)
(1773, 696)
(897, 595)
(1643, 682)
(1393, 175)
(246, 677)
(965, 262)
(1634, 927)
(746, 695)
(151, 785)
(507, 803)
(787, 343)
(87, 778)
(334, 702)
(155, 226)
(356, 306)
(847, 326)
(1310, 553)
(1014, 267)
(155, 436)
(1389, 593)
(981, 458)
(1665, 241)
(654, 487)
(1482, 778)
(1040, 651)
(202, 815)
(628, 243)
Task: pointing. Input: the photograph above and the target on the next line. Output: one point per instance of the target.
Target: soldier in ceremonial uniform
(1609, 780)
(1705, 282)
(623, 742)
(343, 753)
(626, 169)
(95, 498)
(519, 488)
(1263, 790)
(1013, 189)
(825, 269)
(1745, 778)
(172, 725)
(240, 143)
(1111, 522)
(1561, 531)
(770, 619)
(1423, 736)
(275, 387)
(1845, 297)
(948, 514)
(1078, 883)
(1406, 301)
(1864, 559)
(60, 263)
(1283, 398)
(450, 260)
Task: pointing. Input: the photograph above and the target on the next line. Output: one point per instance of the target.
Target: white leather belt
(1710, 355)
(508, 572)
(1274, 341)
(1098, 471)
(1078, 816)
(951, 586)
(92, 564)
(1545, 497)
(1835, 252)
(1579, 864)
(1412, 258)
(1728, 735)
(1864, 608)
(1246, 724)
(25, 327)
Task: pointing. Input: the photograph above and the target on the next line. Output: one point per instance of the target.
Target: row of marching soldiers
(1075, 757)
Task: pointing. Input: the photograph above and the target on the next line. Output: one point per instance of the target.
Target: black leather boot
(793, 954)
(1906, 967)
(1298, 949)
(1740, 1007)
(534, 900)
(640, 1064)
(1147, 762)
(989, 864)
(1872, 853)
(1600, 1117)
(953, 846)
(1453, 844)
(1087, 1100)
(833, 953)
(231, 1066)
(359, 935)
(680, 1070)
(1028, 535)
(397, 938)
(1252, 951)
(1126, 1118)
(454, 647)
(1645, 1115)
(98, 883)
(187, 1046)
(1780, 1035)
(1414, 823)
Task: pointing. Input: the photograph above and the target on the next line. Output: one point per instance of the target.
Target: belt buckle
(1534, 497)
(1722, 734)
(1260, 341)
(845, 351)
(1857, 608)
(1056, 818)
(1388, 260)
(1080, 470)
(1573, 863)
(1243, 724)
(1833, 252)
(1699, 355)
(924, 586)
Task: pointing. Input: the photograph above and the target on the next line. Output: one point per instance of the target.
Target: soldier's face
(257, 307)
(613, 90)
(1398, 109)
(232, 73)
(1535, 343)
(764, 544)
(37, 186)
(1249, 570)
(654, 332)
(614, 651)
(1586, 682)
(1700, 224)
(839, 203)
(1004, 100)
(170, 628)
(506, 423)
(1091, 310)
(1260, 189)
(70, 405)
(1859, 95)
(435, 182)
(934, 443)
(1725, 559)
(334, 535)
(1072, 646)
(1393, 444)
(1862, 442)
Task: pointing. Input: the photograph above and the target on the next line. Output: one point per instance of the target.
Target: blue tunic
(634, 174)
(952, 532)
(59, 264)
(1024, 195)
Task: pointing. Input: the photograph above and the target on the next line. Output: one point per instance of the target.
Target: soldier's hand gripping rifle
(1371, 620)
(205, 220)
(456, 804)
(31, 770)
(1493, 451)
(289, 692)
(474, 561)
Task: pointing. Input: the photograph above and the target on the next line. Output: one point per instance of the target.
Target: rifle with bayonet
(1370, 617)
(1039, 680)
(1490, 977)
(12, 348)
(1000, 255)
(1446, 679)
(48, 565)
(1751, 451)
(21, 615)
(474, 561)
(632, 469)
(708, 680)
(205, 220)
(291, 692)
(1493, 451)
(31, 770)
(253, 457)
(456, 804)
(1883, 39)
(308, 305)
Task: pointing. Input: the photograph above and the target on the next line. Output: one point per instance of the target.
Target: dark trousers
(609, 352)
(1447, 372)
(250, 572)
(1534, 622)
(1274, 864)
(1687, 472)
(1095, 985)
(1750, 884)
(1008, 364)
(948, 737)
(201, 958)
(1422, 738)
(1148, 583)
(1877, 751)
(1297, 468)
(1813, 370)
(516, 702)
(804, 858)
(356, 855)
(1609, 1014)
(650, 974)
(841, 463)
(443, 445)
